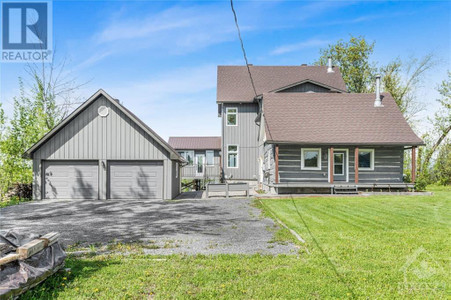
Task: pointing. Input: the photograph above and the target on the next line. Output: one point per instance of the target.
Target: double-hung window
(311, 159)
(232, 156)
(366, 159)
(210, 154)
(231, 116)
(188, 156)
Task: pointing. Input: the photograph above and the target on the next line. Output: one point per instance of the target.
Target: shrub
(421, 183)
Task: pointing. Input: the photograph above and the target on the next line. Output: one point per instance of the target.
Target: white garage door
(71, 179)
(136, 180)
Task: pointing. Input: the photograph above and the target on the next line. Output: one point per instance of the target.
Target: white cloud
(174, 31)
(299, 46)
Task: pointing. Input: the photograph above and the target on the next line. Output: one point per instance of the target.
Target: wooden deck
(328, 185)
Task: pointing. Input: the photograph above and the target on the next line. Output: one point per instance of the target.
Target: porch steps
(346, 189)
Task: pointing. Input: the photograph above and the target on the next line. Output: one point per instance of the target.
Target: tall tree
(442, 166)
(353, 58)
(402, 79)
(44, 100)
(442, 119)
(2, 121)
(20, 134)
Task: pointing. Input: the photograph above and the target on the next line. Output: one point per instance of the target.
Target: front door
(340, 166)
(200, 165)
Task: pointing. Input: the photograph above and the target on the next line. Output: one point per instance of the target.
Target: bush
(421, 183)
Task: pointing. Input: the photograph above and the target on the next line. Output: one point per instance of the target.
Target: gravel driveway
(188, 226)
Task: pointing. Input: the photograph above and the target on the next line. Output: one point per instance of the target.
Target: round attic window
(103, 111)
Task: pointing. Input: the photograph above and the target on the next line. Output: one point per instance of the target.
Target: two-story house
(300, 129)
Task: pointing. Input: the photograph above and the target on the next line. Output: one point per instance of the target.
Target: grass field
(381, 247)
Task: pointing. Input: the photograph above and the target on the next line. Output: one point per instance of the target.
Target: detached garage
(103, 151)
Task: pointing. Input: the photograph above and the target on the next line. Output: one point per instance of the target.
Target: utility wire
(242, 48)
(331, 264)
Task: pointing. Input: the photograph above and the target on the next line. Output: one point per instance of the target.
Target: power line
(242, 47)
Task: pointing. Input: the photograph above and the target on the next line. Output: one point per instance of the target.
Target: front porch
(299, 169)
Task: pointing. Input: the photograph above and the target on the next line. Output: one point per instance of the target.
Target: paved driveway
(187, 226)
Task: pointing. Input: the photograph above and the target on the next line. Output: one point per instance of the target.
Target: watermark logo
(422, 272)
(26, 34)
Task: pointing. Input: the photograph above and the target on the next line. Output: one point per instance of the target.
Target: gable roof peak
(234, 83)
(83, 106)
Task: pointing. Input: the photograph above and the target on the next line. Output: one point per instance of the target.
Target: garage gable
(102, 128)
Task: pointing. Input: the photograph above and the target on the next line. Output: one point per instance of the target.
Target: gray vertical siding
(175, 187)
(37, 179)
(306, 88)
(388, 165)
(91, 137)
(245, 135)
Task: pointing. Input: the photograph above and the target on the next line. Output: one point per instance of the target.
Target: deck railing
(209, 171)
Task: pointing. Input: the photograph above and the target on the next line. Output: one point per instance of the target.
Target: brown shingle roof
(234, 84)
(195, 142)
(324, 118)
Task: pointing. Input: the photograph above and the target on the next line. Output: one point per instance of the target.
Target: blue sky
(160, 58)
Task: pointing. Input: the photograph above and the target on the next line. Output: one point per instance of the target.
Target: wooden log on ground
(50, 238)
(37, 245)
(8, 258)
(30, 248)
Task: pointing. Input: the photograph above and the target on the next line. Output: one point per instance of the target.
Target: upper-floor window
(232, 156)
(231, 116)
(210, 154)
(311, 159)
(366, 159)
(188, 155)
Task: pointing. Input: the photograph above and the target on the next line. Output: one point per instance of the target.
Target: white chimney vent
(329, 65)
(378, 101)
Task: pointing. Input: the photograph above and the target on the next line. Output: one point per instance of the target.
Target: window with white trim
(177, 170)
(366, 159)
(188, 155)
(210, 154)
(232, 156)
(311, 159)
(231, 116)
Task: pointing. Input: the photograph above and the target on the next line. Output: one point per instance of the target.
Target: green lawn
(356, 247)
